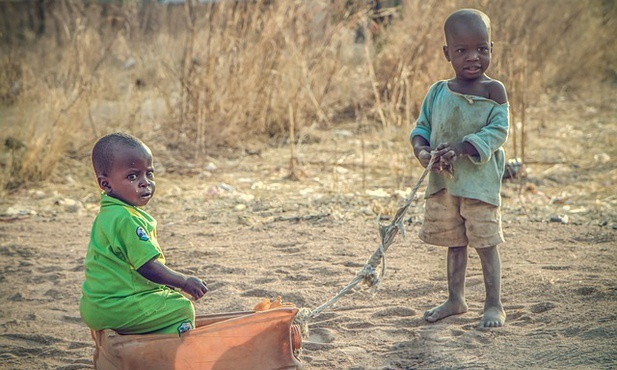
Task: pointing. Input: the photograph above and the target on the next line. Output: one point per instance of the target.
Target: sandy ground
(252, 233)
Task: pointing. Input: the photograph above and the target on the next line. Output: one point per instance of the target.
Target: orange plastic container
(264, 340)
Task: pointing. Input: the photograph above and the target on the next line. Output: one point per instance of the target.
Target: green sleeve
(136, 240)
(423, 123)
(492, 136)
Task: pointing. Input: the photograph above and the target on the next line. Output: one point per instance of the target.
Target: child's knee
(180, 307)
(188, 310)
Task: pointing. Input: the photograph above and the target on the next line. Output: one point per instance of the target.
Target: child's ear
(446, 53)
(492, 43)
(104, 183)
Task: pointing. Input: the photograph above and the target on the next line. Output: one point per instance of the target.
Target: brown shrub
(197, 77)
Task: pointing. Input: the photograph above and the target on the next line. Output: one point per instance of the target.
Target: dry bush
(197, 77)
(255, 70)
(539, 46)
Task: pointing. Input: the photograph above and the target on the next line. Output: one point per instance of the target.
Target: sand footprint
(434, 333)
(321, 336)
(288, 247)
(395, 311)
(320, 339)
(542, 307)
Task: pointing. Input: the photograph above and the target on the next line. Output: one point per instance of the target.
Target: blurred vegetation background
(204, 78)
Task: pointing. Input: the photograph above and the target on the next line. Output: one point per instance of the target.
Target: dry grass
(198, 78)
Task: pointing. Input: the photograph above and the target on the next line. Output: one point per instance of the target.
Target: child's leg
(494, 315)
(173, 316)
(457, 266)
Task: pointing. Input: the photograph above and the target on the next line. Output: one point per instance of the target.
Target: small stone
(130, 63)
(343, 133)
(71, 205)
(245, 198)
(602, 158)
(212, 191)
(561, 219)
(16, 211)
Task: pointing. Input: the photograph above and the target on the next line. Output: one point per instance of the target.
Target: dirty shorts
(456, 221)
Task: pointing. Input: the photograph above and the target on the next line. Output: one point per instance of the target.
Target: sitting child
(127, 287)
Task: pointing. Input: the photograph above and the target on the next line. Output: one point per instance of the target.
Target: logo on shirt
(141, 234)
(186, 326)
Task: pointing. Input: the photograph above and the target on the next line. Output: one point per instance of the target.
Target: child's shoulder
(485, 87)
(437, 88)
(495, 90)
(121, 214)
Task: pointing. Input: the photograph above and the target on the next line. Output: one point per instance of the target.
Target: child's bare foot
(448, 308)
(493, 317)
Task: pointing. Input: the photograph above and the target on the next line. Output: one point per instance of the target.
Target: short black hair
(104, 149)
(467, 15)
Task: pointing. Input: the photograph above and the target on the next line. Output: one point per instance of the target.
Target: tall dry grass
(198, 77)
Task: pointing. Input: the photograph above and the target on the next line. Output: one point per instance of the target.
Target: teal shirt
(123, 238)
(448, 116)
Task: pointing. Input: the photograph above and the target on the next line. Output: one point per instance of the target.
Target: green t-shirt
(123, 238)
(448, 116)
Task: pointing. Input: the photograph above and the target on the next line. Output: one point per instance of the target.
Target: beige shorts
(456, 222)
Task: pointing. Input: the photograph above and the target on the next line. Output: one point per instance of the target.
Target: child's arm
(161, 274)
(420, 135)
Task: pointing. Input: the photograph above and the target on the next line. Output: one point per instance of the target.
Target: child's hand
(423, 153)
(450, 152)
(197, 288)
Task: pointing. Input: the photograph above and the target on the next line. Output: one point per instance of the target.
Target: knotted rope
(368, 274)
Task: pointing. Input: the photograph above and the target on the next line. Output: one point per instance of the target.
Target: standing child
(463, 124)
(127, 287)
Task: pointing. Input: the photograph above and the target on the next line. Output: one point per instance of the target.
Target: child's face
(131, 179)
(468, 49)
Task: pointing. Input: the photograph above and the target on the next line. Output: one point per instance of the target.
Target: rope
(368, 274)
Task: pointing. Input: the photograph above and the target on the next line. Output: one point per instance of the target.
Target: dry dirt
(251, 232)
